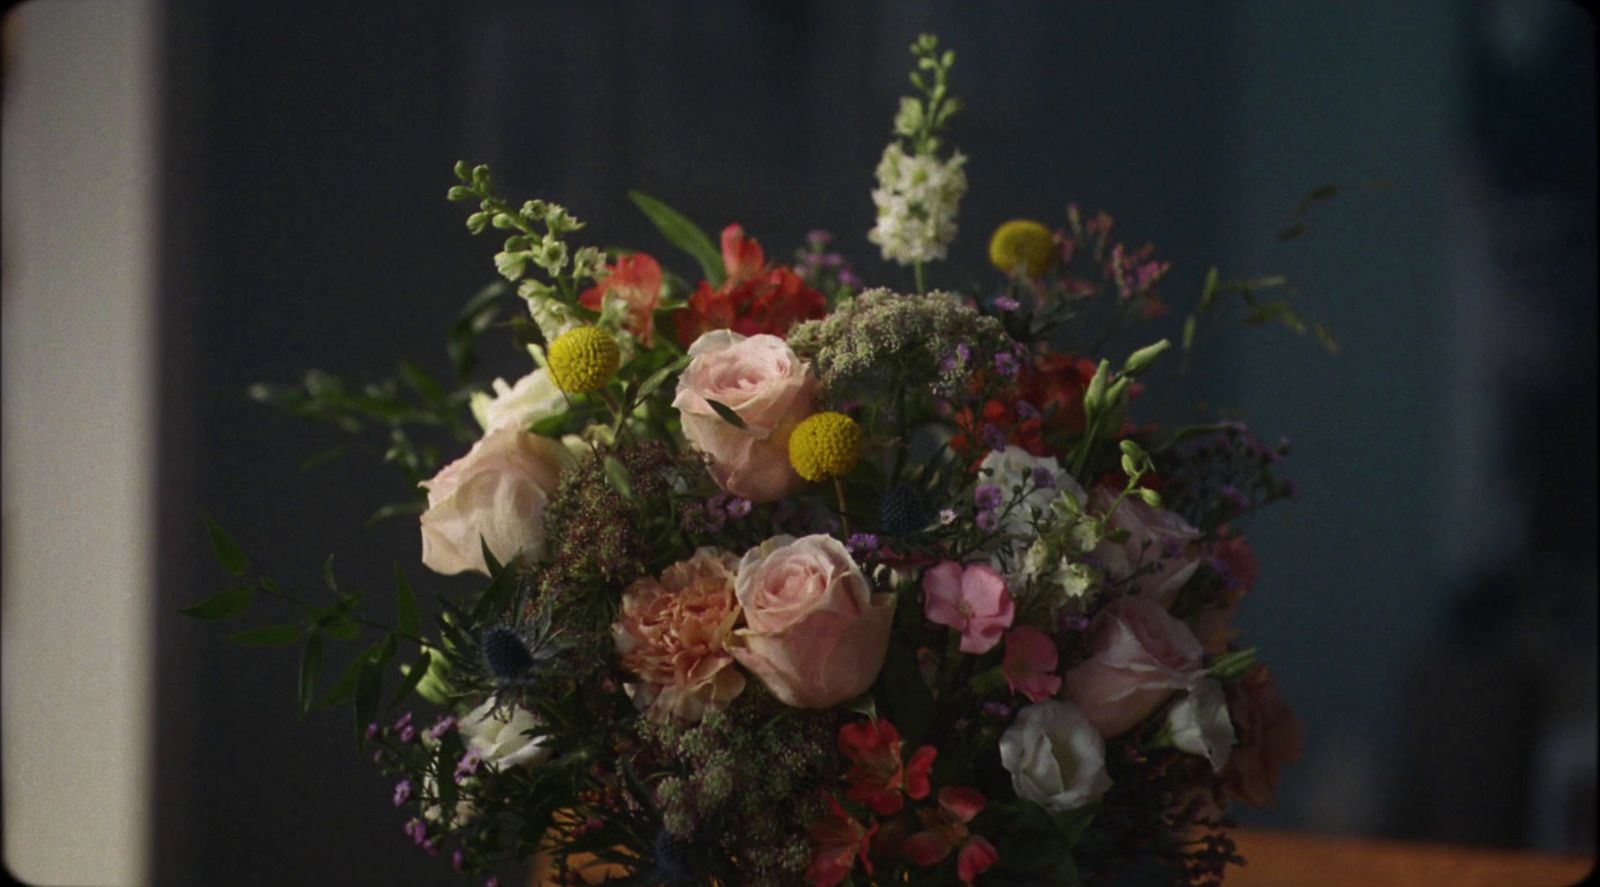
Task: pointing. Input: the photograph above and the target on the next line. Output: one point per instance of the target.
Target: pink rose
(815, 633)
(973, 600)
(769, 387)
(1139, 656)
(1155, 537)
(670, 632)
(496, 492)
(1269, 737)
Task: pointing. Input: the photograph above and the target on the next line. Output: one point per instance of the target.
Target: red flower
(1054, 385)
(836, 840)
(879, 777)
(636, 279)
(753, 299)
(945, 829)
(1269, 737)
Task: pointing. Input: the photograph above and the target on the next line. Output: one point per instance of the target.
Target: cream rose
(534, 397)
(769, 387)
(1055, 757)
(815, 633)
(497, 492)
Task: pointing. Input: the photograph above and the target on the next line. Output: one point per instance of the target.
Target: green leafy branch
(362, 679)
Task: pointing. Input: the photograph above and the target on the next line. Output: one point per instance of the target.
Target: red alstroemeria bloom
(945, 829)
(836, 841)
(753, 300)
(1054, 385)
(879, 777)
(636, 279)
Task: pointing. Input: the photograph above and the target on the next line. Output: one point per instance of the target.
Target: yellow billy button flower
(1022, 243)
(825, 445)
(584, 359)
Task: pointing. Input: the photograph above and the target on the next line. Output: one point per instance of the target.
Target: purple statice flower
(458, 861)
(862, 543)
(993, 437)
(440, 727)
(430, 848)
(1006, 303)
(492, 882)
(467, 766)
(408, 733)
(1027, 410)
(372, 729)
(402, 792)
(1044, 478)
(986, 521)
(988, 496)
(1073, 622)
(849, 279)
(1235, 498)
(947, 516)
(998, 710)
(819, 238)
(1006, 364)
(402, 721)
(416, 830)
(737, 507)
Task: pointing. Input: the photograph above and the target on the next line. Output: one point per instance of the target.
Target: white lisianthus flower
(917, 198)
(1039, 478)
(1055, 757)
(1200, 724)
(534, 397)
(503, 739)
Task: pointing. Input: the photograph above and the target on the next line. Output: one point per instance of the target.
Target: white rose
(497, 492)
(503, 739)
(534, 397)
(1055, 757)
(1200, 724)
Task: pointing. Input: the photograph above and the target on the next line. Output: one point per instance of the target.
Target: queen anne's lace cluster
(917, 198)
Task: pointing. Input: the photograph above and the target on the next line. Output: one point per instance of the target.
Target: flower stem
(922, 285)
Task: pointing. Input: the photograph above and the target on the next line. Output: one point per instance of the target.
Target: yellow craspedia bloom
(1022, 243)
(583, 359)
(825, 445)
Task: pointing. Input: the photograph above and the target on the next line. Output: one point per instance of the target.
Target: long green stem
(922, 284)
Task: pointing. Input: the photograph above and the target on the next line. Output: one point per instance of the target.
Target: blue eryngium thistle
(505, 653)
(904, 511)
(672, 860)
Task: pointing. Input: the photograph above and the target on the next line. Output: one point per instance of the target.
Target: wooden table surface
(1286, 859)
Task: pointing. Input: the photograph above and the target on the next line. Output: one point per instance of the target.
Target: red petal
(961, 802)
(926, 848)
(976, 857)
(917, 772)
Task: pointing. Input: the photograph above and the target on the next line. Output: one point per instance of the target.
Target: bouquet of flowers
(791, 580)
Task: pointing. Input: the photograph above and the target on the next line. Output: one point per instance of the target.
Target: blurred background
(200, 196)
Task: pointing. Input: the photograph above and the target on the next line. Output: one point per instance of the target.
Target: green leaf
(421, 382)
(659, 378)
(327, 575)
(497, 596)
(228, 552)
(727, 414)
(1189, 324)
(344, 686)
(684, 234)
(267, 635)
(1279, 310)
(369, 686)
(310, 667)
(617, 475)
(1209, 290)
(1325, 336)
(224, 604)
(414, 676)
(406, 605)
(398, 509)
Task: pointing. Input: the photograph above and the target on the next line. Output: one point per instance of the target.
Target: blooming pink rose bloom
(1155, 536)
(496, 492)
(1030, 664)
(973, 600)
(671, 632)
(1139, 656)
(770, 388)
(1269, 737)
(815, 633)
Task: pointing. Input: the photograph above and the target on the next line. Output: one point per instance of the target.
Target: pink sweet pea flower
(945, 829)
(973, 600)
(1030, 664)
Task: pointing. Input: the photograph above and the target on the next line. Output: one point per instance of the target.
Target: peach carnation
(670, 633)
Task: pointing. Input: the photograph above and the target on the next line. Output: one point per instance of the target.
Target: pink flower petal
(961, 802)
(977, 855)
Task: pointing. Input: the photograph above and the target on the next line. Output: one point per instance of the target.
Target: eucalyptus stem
(359, 620)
